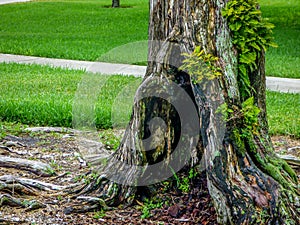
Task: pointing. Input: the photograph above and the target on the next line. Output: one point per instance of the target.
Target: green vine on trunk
(200, 65)
(243, 120)
(246, 115)
(251, 34)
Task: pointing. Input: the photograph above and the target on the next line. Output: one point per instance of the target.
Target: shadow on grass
(121, 6)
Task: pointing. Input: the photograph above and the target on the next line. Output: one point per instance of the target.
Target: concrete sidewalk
(286, 85)
(2, 2)
(273, 83)
(94, 67)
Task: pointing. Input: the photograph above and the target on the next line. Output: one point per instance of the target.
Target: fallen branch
(295, 148)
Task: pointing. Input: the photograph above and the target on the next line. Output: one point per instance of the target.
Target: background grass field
(90, 30)
(41, 95)
(45, 96)
(283, 61)
(71, 29)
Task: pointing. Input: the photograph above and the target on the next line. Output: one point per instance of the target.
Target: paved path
(283, 84)
(94, 67)
(2, 2)
(273, 83)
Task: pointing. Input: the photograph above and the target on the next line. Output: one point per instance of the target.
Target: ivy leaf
(250, 31)
(273, 44)
(247, 103)
(246, 84)
(268, 25)
(235, 26)
(256, 12)
(250, 35)
(230, 12)
(248, 58)
(253, 23)
(243, 69)
(197, 49)
(254, 45)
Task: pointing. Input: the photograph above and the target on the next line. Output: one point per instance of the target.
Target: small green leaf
(254, 45)
(248, 58)
(243, 69)
(268, 25)
(197, 49)
(230, 11)
(235, 26)
(248, 102)
(249, 30)
(273, 44)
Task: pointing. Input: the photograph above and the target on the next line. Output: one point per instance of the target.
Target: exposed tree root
(291, 160)
(31, 183)
(5, 221)
(4, 150)
(99, 193)
(87, 204)
(16, 188)
(9, 200)
(50, 129)
(39, 168)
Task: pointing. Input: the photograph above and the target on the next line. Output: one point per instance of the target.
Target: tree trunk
(178, 120)
(115, 3)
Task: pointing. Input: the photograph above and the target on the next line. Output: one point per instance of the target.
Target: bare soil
(60, 151)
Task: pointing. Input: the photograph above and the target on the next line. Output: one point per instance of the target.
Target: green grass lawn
(71, 29)
(41, 95)
(283, 113)
(45, 96)
(283, 61)
(88, 29)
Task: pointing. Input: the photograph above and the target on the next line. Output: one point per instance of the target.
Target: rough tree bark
(115, 3)
(248, 183)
